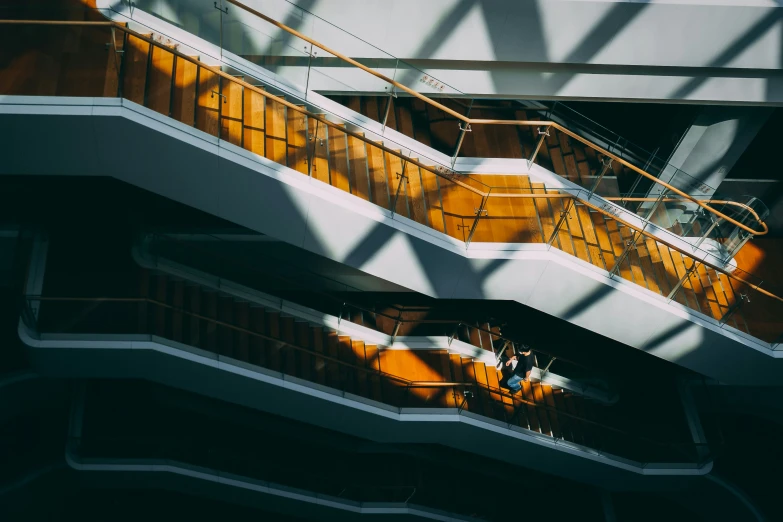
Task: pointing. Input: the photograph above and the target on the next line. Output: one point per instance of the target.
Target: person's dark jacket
(525, 363)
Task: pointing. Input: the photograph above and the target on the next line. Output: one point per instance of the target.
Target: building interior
(271, 260)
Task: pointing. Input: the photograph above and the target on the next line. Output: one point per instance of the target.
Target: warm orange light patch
(751, 256)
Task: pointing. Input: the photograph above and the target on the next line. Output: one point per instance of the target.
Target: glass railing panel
(263, 44)
(461, 204)
(509, 215)
(753, 310)
(265, 339)
(194, 16)
(566, 155)
(193, 93)
(333, 75)
(44, 60)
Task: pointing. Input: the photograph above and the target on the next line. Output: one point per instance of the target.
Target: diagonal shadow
(753, 33)
(587, 301)
(620, 15)
(498, 14)
(436, 37)
(665, 336)
(295, 19)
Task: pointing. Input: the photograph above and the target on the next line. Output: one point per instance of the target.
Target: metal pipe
(543, 135)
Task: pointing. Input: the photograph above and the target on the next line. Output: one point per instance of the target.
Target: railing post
(655, 206)
(389, 102)
(340, 318)
(222, 12)
(709, 230)
(222, 97)
(454, 333)
(479, 212)
(563, 215)
(607, 164)
(397, 325)
(463, 130)
(544, 134)
(682, 280)
(630, 244)
(310, 55)
(403, 178)
(741, 244)
(546, 369)
(311, 150)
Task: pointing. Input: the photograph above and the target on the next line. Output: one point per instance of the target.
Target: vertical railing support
(454, 333)
(462, 132)
(310, 55)
(685, 277)
(544, 134)
(222, 12)
(607, 164)
(340, 317)
(220, 105)
(709, 230)
(479, 212)
(630, 244)
(546, 369)
(396, 330)
(403, 178)
(563, 215)
(311, 150)
(389, 102)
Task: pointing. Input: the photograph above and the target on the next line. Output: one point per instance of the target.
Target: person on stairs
(524, 365)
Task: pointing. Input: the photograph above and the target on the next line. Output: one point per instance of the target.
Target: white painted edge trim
(448, 415)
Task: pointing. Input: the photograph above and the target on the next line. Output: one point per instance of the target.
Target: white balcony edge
(183, 352)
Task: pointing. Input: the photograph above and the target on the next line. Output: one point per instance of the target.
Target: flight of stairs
(248, 332)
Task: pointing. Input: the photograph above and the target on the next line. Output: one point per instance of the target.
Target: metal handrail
(441, 172)
(669, 200)
(491, 390)
(399, 309)
(407, 382)
(472, 121)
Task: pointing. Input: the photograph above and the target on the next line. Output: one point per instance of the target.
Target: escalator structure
(153, 71)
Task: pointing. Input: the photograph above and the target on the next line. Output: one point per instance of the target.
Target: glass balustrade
(284, 351)
(264, 32)
(105, 60)
(223, 258)
(302, 51)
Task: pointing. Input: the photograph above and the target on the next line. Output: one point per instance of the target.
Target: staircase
(236, 329)
(152, 72)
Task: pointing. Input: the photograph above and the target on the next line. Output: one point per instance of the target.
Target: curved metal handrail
(471, 121)
(668, 200)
